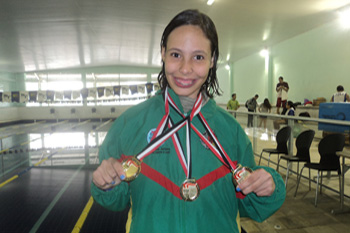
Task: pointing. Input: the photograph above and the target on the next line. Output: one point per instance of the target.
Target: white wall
(8, 114)
(313, 64)
(250, 78)
(225, 84)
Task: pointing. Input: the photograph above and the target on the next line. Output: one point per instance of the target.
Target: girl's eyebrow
(194, 52)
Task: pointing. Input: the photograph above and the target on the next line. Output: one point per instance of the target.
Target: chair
(282, 138)
(329, 160)
(303, 144)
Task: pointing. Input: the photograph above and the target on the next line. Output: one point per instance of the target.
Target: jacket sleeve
(118, 198)
(260, 208)
(252, 206)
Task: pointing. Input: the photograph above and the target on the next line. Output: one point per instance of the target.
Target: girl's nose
(186, 67)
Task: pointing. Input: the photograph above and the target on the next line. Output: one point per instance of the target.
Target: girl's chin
(185, 93)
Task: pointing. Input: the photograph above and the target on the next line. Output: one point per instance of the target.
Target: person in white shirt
(282, 94)
(340, 96)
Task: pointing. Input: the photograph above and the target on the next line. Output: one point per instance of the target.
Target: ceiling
(39, 35)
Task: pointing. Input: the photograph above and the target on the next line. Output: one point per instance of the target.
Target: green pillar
(270, 87)
(83, 79)
(86, 148)
(232, 88)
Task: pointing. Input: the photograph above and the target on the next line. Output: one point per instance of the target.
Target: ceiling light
(264, 53)
(344, 17)
(227, 67)
(210, 2)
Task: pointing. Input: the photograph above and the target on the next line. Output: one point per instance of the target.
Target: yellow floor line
(40, 162)
(4, 150)
(9, 180)
(37, 164)
(83, 216)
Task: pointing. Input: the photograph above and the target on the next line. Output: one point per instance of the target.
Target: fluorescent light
(264, 53)
(344, 17)
(210, 2)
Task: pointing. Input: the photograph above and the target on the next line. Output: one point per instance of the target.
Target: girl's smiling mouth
(184, 83)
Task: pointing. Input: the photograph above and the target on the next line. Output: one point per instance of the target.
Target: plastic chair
(282, 138)
(329, 161)
(303, 144)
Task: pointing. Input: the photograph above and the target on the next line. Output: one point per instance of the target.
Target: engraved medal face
(189, 190)
(132, 168)
(240, 175)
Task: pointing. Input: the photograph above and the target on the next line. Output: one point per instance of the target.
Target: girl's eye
(175, 55)
(199, 57)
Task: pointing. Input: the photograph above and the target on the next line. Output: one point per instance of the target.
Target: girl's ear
(212, 60)
(163, 54)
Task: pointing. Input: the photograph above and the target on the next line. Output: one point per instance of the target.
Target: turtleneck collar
(208, 105)
(187, 102)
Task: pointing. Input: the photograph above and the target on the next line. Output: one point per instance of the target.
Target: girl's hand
(260, 182)
(109, 174)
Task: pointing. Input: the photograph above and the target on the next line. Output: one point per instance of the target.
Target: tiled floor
(299, 214)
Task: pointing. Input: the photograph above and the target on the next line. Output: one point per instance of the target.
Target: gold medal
(240, 174)
(189, 190)
(132, 168)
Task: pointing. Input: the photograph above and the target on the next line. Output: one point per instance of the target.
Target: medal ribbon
(218, 150)
(179, 149)
(158, 141)
(186, 164)
(163, 122)
(162, 133)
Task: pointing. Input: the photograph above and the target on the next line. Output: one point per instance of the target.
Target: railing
(300, 123)
(290, 120)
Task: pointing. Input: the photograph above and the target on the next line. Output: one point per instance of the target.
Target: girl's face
(187, 60)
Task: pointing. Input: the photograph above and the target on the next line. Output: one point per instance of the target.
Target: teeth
(185, 82)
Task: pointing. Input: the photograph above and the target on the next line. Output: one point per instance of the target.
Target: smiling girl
(172, 158)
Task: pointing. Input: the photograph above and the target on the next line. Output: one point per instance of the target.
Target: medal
(189, 190)
(240, 174)
(132, 168)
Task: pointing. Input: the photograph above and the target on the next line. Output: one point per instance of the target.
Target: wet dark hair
(340, 88)
(267, 103)
(196, 18)
(291, 104)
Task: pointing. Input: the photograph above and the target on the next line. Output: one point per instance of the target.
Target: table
(345, 168)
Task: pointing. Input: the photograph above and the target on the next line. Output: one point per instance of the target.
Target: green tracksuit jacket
(154, 195)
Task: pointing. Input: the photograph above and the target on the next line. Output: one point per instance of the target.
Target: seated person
(290, 112)
(340, 96)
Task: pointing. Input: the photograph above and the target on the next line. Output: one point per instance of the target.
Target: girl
(265, 107)
(183, 184)
(290, 108)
